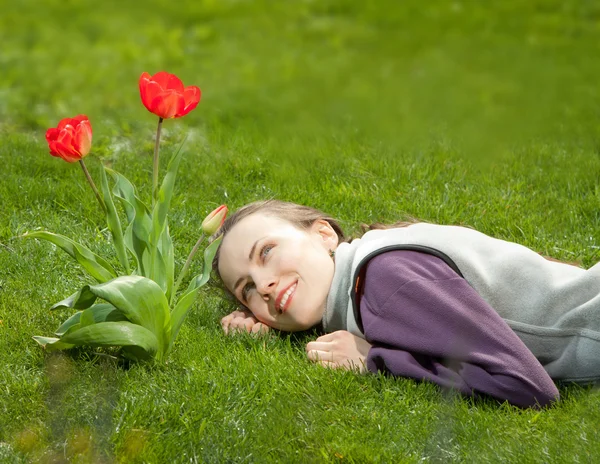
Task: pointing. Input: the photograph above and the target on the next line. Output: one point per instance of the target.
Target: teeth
(286, 295)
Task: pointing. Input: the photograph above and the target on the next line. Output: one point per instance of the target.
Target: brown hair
(300, 216)
(380, 226)
(303, 217)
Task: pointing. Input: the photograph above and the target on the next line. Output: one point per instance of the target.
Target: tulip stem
(155, 164)
(91, 182)
(187, 264)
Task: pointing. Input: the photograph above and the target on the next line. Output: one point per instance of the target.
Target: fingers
(327, 337)
(246, 324)
(331, 364)
(260, 328)
(337, 335)
(328, 365)
(227, 320)
(242, 321)
(339, 349)
(347, 365)
(320, 356)
(241, 313)
(235, 321)
(318, 345)
(241, 324)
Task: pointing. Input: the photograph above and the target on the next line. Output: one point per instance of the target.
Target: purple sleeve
(426, 322)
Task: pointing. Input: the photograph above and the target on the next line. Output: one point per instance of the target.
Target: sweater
(554, 308)
(426, 322)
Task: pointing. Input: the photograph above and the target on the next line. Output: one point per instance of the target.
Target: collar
(335, 316)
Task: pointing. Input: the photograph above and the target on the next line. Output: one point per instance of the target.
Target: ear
(325, 233)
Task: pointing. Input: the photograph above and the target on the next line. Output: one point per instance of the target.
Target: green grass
(479, 113)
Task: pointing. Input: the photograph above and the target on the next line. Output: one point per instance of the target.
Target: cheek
(257, 307)
(290, 261)
(315, 265)
(303, 258)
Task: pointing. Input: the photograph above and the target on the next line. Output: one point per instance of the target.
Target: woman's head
(275, 258)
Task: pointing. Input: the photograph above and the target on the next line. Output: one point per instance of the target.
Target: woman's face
(279, 272)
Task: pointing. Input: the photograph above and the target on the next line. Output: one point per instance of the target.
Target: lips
(285, 297)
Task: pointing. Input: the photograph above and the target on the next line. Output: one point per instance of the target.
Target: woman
(440, 303)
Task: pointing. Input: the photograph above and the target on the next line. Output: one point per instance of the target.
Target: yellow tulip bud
(214, 220)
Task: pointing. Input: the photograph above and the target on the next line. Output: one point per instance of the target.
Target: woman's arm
(426, 322)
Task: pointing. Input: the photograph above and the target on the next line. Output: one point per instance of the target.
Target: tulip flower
(165, 96)
(214, 220)
(71, 140)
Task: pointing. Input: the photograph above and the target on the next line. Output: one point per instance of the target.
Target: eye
(246, 289)
(264, 251)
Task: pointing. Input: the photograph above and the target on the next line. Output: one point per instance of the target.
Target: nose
(266, 286)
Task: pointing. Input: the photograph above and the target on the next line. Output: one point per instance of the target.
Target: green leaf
(87, 318)
(184, 303)
(81, 299)
(125, 192)
(140, 300)
(52, 344)
(114, 334)
(139, 229)
(181, 311)
(209, 256)
(96, 266)
(163, 203)
(163, 261)
(135, 353)
(102, 312)
(114, 224)
(70, 322)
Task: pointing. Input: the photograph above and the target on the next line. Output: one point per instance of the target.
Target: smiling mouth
(285, 300)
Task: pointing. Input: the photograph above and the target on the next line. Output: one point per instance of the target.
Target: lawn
(479, 113)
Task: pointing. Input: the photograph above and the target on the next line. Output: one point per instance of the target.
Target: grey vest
(553, 307)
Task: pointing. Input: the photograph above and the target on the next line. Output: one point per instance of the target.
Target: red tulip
(214, 220)
(71, 140)
(164, 95)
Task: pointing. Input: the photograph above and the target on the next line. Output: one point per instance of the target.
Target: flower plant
(137, 308)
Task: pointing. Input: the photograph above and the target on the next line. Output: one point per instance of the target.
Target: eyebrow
(250, 257)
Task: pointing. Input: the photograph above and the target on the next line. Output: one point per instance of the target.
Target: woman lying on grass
(440, 303)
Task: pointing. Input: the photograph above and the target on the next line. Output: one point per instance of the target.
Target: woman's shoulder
(386, 272)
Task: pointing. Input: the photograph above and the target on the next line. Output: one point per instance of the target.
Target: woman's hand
(242, 320)
(340, 349)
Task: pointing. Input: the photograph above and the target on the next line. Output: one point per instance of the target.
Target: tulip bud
(214, 220)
